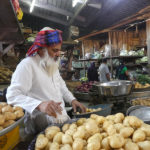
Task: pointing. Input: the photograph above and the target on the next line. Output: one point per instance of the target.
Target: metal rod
(8, 48)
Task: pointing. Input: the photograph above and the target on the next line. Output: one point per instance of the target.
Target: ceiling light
(74, 3)
(77, 41)
(32, 6)
(67, 17)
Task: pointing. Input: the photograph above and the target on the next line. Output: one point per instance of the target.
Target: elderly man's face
(54, 51)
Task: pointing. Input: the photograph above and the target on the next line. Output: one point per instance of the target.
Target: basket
(106, 110)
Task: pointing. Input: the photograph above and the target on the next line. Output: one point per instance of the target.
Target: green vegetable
(84, 79)
(143, 79)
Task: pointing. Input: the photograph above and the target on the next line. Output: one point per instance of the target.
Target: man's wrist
(73, 100)
(38, 106)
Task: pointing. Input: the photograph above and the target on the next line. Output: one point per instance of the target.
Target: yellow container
(9, 140)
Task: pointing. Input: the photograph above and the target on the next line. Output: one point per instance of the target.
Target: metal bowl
(115, 88)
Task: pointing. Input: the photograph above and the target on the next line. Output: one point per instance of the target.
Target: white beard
(48, 63)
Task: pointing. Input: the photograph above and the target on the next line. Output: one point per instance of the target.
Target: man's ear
(41, 52)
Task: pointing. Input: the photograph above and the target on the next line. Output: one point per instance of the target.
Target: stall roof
(9, 26)
(94, 15)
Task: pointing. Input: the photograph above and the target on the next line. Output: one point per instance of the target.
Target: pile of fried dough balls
(9, 114)
(114, 132)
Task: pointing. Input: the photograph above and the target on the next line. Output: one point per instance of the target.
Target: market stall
(116, 115)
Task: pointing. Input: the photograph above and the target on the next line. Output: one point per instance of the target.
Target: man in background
(104, 74)
(92, 72)
(122, 72)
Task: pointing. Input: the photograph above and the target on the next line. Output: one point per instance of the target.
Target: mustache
(56, 58)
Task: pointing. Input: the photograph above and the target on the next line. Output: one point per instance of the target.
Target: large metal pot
(115, 88)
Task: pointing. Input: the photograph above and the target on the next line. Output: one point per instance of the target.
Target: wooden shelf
(130, 57)
(88, 59)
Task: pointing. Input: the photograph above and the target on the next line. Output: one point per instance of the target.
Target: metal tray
(106, 110)
(11, 127)
(143, 98)
(141, 89)
(139, 94)
(142, 112)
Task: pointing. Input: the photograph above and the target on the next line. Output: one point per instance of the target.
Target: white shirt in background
(103, 70)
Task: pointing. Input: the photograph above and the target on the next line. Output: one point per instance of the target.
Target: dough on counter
(8, 123)
(116, 141)
(41, 142)
(7, 108)
(1, 128)
(19, 114)
(2, 119)
(3, 104)
(9, 116)
(58, 137)
(65, 127)
(15, 108)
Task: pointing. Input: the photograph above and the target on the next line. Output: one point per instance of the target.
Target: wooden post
(8, 48)
(1, 47)
(109, 35)
(83, 53)
(148, 39)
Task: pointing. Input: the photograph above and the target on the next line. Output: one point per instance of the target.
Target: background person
(122, 72)
(104, 74)
(92, 72)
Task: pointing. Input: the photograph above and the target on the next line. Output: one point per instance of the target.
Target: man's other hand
(76, 104)
(50, 108)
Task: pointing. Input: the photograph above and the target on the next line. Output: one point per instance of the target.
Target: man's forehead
(58, 46)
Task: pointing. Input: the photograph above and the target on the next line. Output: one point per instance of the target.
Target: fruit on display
(139, 86)
(9, 114)
(89, 110)
(85, 87)
(114, 132)
(5, 75)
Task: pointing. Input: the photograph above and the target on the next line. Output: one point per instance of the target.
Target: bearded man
(37, 86)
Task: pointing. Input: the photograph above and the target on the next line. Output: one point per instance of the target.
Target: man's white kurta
(30, 85)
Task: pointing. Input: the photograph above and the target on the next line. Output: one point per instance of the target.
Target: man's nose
(57, 53)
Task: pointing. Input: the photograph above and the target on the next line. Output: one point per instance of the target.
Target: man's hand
(76, 104)
(50, 108)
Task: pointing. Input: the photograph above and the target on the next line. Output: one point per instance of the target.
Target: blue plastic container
(106, 110)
